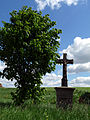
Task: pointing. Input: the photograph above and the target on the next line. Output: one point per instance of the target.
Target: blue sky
(73, 17)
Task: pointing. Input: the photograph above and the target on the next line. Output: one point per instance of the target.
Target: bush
(85, 98)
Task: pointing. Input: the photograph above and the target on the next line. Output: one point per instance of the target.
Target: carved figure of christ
(64, 61)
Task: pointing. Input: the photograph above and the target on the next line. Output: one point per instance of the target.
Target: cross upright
(64, 61)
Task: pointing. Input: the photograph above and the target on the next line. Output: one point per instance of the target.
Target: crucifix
(64, 61)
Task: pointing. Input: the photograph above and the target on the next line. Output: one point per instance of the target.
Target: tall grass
(45, 110)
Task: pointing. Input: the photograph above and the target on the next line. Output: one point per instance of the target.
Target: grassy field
(46, 110)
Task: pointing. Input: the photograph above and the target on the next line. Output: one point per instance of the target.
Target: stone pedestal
(64, 97)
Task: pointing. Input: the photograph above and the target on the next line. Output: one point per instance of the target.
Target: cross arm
(59, 61)
(70, 61)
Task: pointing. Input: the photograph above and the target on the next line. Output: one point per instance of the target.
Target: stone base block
(64, 97)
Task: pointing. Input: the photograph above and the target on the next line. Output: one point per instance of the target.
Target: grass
(46, 110)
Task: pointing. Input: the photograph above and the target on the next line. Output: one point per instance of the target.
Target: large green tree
(28, 47)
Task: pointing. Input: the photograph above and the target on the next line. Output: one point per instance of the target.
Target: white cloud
(51, 80)
(76, 68)
(70, 2)
(79, 52)
(56, 3)
(80, 82)
(58, 40)
(41, 4)
(7, 83)
(2, 66)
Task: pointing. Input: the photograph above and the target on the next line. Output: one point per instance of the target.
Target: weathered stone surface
(64, 97)
(64, 94)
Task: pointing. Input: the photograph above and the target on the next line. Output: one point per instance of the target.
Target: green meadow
(45, 110)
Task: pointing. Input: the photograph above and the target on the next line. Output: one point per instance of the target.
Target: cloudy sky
(73, 17)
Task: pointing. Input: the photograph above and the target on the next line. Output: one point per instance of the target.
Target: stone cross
(64, 61)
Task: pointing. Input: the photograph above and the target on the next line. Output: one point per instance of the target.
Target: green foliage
(28, 48)
(41, 111)
(81, 92)
(85, 98)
